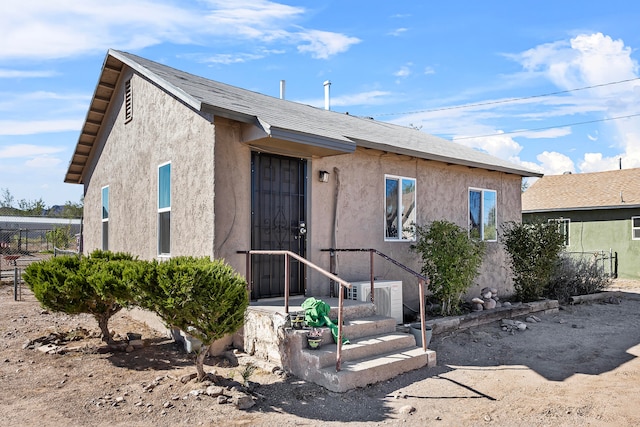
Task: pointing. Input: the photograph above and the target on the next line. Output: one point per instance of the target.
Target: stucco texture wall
(442, 193)
(232, 194)
(162, 130)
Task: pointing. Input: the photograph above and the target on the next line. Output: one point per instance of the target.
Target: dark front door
(278, 222)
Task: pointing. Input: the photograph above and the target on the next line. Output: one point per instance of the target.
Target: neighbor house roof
(326, 132)
(584, 191)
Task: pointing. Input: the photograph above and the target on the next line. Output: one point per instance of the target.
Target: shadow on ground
(583, 339)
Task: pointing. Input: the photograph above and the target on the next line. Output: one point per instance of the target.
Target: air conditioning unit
(387, 296)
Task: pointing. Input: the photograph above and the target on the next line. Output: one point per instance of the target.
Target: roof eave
(92, 127)
(176, 91)
(445, 159)
(581, 208)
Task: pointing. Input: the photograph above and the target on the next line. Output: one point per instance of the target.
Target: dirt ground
(577, 367)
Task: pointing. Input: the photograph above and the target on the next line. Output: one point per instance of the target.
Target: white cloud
(554, 163)
(17, 127)
(502, 146)
(40, 29)
(429, 70)
(227, 58)
(587, 60)
(22, 74)
(404, 71)
(27, 151)
(323, 44)
(398, 31)
(545, 133)
(44, 162)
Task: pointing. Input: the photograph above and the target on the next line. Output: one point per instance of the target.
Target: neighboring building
(596, 211)
(176, 164)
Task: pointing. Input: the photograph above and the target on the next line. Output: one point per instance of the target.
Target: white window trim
(482, 191)
(399, 205)
(102, 213)
(634, 228)
(161, 210)
(560, 221)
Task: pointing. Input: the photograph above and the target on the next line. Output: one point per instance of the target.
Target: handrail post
(332, 270)
(287, 266)
(248, 272)
(371, 275)
(340, 314)
(422, 322)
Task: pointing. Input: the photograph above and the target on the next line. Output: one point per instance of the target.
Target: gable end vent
(128, 102)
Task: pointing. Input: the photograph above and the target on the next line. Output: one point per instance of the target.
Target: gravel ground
(575, 367)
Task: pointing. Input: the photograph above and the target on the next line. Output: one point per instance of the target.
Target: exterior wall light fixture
(323, 176)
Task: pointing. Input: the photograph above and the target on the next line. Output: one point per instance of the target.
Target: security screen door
(278, 222)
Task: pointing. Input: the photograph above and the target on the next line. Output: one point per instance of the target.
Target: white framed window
(400, 208)
(105, 218)
(635, 227)
(483, 215)
(164, 209)
(563, 228)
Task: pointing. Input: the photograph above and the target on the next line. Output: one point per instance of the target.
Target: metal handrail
(287, 256)
(422, 280)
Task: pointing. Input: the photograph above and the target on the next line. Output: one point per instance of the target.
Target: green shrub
(451, 261)
(74, 285)
(576, 277)
(204, 298)
(534, 250)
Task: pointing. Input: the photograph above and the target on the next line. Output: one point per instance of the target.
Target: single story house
(597, 212)
(177, 164)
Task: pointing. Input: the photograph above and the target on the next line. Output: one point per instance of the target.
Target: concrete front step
(368, 326)
(376, 353)
(359, 348)
(373, 369)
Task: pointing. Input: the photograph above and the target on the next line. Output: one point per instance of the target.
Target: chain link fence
(605, 262)
(21, 246)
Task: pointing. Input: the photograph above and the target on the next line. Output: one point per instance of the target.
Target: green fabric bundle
(316, 313)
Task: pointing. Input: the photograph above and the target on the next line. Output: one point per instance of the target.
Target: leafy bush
(451, 261)
(74, 285)
(204, 298)
(576, 277)
(534, 251)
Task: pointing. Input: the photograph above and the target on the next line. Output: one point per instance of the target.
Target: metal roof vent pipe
(327, 85)
(282, 88)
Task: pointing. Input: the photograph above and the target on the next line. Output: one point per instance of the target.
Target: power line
(549, 127)
(504, 101)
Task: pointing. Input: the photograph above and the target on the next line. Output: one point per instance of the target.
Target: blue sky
(551, 85)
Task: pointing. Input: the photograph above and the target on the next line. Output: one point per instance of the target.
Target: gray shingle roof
(598, 190)
(295, 121)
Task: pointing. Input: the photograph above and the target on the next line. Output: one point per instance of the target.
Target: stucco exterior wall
(232, 194)
(442, 193)
(602, 230)
(162, 130)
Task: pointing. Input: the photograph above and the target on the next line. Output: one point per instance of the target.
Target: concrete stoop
(376, 353)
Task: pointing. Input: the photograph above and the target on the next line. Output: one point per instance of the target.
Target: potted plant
(297, 321)
(314, 338)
